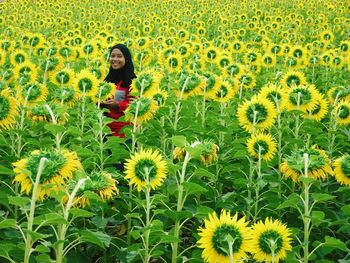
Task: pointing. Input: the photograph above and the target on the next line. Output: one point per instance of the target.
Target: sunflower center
(222, 92)
(224, 62)
(4, 108)
(343, 112)
(145, 166)
(191, 84)
(293, 79)
(211, 54)
(245, 80)
(252, 57)
(19, 58)
(62, 77)
(31, 92)
(219, 241)
(345, 166)
(263, 145)
(173, 62)
(233, 69)
(268, 60)
(298, 53)
(85, 84)
(300, 96)
(259, 111)
(270, 241)
(54, 163)
(88, 49)
(274, 96)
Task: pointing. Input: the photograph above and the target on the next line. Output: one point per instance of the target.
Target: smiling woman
(121, 73)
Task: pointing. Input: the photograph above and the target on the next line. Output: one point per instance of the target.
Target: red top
(123, 99)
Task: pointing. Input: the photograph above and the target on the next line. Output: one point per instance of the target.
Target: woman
(121, 72)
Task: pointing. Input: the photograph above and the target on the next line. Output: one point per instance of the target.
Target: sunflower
(343, 112)
(223, 91)
(342, 169)
(179, 153)
(263, 143)
(146, 83)
(209, 152)
(90, 50)
(105, 90)
(86, 83)
(276, 94)
(335, 94)
(100, 183)
(145, 107)
(51, 64)
(303, 98)
(65, 95)
(18, 57)
(189, 84)
(319, 111)
(32, 93)
(292, 78)
(146, 166)
(268, 60)
(247, 80)
(235, 69)
(25, 72)
(217, 234)
(270, 240)
(8, 109)
(318, 168)
(160, 97)
(173, 62)
(63, 77)
(256, 114)
(59, 168)
(40, 112)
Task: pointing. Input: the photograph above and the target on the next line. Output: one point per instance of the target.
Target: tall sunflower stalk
(100, 139)
(307, 210)
(178, 105)
(251, 162)
(257, 187)
(297, 118)
(332, 128)
(180, 203)
(146, 235)
(59, 135)
(28, 240)
(62, 229)
(133, 149)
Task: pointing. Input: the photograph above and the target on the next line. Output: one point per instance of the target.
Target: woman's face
(117, 59)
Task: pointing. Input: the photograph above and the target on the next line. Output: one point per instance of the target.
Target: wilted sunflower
(209, 152)
(270, 241)
(146, 164)
(292, 78)
(342, 111)
(8, 109)
(303, 98)
(256, 114)
(100, 183)
(145, 108)
(59, 167)
(216, 234)
(319, 164)
(179, 153)
(86, 83)
(342, 169)
(264, 143)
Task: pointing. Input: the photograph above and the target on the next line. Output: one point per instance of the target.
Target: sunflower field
(237, 148)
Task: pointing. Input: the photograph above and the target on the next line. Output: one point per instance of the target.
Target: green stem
(306, 217)
(180, 203)
(29, 241)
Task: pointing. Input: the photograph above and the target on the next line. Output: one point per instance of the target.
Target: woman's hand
(111, 104)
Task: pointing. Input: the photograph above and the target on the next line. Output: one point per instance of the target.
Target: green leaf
(19, 201)
(77, 212)
(42, 249)
(317, 217)
(5, 248)
(335, 243)
(204, 173)
(95, 237)
(308, 180)
(292, 201)
(5, 171)
(36, 236)
(49, 219)
(193, 188)
(179, 141)
(169, 239)
(346, 209)
(322, 197)
(54, 128)
(8, 223)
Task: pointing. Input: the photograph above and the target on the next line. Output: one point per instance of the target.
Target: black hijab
(126, 74)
